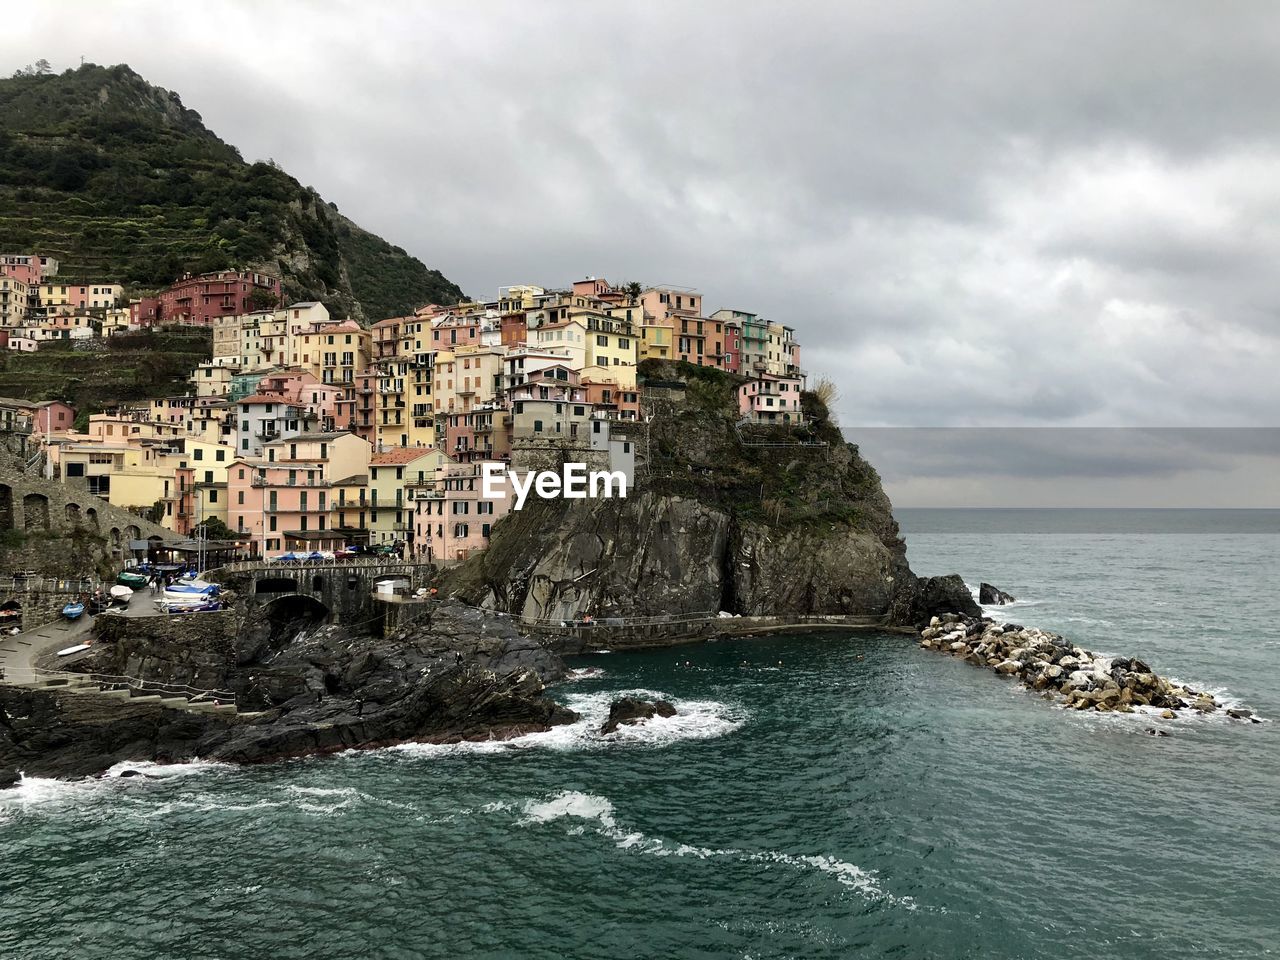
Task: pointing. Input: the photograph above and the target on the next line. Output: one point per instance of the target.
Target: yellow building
(334, 353)
(13, 301)
(58, 296)
(393, 476)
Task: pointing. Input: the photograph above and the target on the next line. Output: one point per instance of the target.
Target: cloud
(975, 213)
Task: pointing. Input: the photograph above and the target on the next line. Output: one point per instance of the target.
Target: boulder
(632, 710)
(1009, 666)
(9, 778)
(989, 595)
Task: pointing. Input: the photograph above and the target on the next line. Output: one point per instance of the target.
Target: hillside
(135, 366)
(118, 180)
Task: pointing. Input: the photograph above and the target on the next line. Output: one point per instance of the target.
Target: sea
(817, 795)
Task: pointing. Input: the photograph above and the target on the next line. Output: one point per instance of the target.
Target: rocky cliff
(722, 517)
(459, 674)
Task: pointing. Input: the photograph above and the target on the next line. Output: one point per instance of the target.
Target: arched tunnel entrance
(296, 609)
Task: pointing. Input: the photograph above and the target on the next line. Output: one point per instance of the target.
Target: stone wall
(196, 649)
(61, 529)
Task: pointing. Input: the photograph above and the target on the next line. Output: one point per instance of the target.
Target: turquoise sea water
(819, 796)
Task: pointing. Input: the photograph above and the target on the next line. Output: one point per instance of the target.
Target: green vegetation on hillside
(136, 366)
(120, 181)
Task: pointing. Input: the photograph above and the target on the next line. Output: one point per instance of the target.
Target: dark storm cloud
(975, 213)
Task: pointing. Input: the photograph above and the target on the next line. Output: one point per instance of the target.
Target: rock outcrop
(917, 599)
(1048, 662)
(989, 595)
(460, 675)
(630, 710)
(746, 520)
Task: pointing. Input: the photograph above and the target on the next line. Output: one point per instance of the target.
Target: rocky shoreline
(1049, 663)
(461, 674)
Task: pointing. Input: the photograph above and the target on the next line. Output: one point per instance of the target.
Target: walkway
(20, 655)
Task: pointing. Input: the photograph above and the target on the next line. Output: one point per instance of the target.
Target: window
(213, 496)
(199, 454)
(240, 498)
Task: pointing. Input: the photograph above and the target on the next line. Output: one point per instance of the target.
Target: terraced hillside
(125, 367)
(118, 180)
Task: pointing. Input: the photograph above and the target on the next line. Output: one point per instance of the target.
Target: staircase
(130, 689)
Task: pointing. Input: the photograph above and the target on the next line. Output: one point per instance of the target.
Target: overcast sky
(974, 213)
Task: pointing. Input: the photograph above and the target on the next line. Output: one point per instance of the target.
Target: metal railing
(20, 583)
(107, 681)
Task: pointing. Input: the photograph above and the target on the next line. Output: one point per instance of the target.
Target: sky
(1053, 217)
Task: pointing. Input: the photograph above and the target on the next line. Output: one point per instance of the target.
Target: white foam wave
(572, 804)
(53, 793)
(694, 720)
(584, 673)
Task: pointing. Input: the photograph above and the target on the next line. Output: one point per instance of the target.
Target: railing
(21, 583)
(107, 681)
(353, 563)
(665, 618)
(747, 422)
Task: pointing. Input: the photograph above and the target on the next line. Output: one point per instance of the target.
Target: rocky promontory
(460, 674)
(724, 516)
(1050, 663)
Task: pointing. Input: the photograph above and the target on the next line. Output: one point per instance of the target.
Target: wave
(694, 720)
(52, 793)
(572, 804)
(584, 673)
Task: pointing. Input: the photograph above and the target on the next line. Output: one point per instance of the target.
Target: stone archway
(132, 532)
(72, 511)
(91, 517)
(35, 511)
(115, 534)
(295, 608)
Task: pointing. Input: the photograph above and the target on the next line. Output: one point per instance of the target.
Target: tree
(42, 67)
(262, 300)
(214, 529)
(633, 290)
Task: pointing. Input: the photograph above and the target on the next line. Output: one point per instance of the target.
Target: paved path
(18, 654)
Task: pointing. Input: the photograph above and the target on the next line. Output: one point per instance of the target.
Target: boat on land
(73, 610)
(190, 589)
(196, 605)
(121, 595)
(68, 651)
(134, 581)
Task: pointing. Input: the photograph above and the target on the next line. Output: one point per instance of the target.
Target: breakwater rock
(1049, 662)
(993, 595)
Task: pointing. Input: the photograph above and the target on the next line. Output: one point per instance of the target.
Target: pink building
(144, 312)
(453, 521)
(771, 399)
(197, 300)
(451, 331)
(732, 348)
(283, 503)
(54, 416)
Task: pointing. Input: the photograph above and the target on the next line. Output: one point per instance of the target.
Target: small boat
(68, 651)
(189, 606)
(133, 581)
(191, 586)
(73, 610)
(121, 595)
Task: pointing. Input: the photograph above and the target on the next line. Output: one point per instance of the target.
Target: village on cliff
(305, 433)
